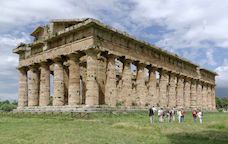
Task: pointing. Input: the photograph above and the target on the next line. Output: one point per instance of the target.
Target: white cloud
(222, 79)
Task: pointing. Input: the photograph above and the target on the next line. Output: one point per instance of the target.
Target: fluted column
(33, 86)
(172, 90)
(213, 98)
(44, 84)
(193, 94)
(199, 95)
(209, 98)
(163, 88)
(180, 92)
(110, 86)
(23, 96)
(58, 98)
(141, 87)
(204, 96)
(74, 80)
(92, 93)
(153, 87)
(187, 90)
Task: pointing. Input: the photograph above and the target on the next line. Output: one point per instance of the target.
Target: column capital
(58, 60)
(92, 52)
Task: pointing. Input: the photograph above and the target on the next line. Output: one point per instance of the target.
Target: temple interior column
(172, 90)
(23, 95)
(180, 92)
(44, 84)
(193, 94)
(58, 98)
(163, 84)
(74, 80)
(153, 87)
(92, 93)
(110, 86)
(33, 86)
(187, 90)
(141, 87)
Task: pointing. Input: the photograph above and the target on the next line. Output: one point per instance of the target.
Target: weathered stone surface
(96, 79)
(153, 95)
(74, 81)
(33, 86)
(23, 96)
(58, 98)
(187, 90)
(163, 84)
(110, 86)
(172, 91)
(193, 94)
(44, 84)
(92, 93)
(141, 85)
(180, 92)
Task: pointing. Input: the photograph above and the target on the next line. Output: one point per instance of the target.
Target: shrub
(7, 107)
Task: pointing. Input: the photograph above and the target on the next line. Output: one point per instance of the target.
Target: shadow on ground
(203, 137)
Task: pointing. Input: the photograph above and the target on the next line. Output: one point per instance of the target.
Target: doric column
(153, 96)
(101, 76)
(213, 98)
(126, 89)
(163, 84)
(92, 93)
(141, 87)
(33, 86)
(23, 96)
(193, 94)
(180, 92)
(172, 90)
(209, 98)
(44, 84)
(110, 86)
(187, 90)
(58, 98)
(204, 96)
(74, 80)
(199, 95)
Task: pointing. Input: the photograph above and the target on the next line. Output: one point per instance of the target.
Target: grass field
(105, 128)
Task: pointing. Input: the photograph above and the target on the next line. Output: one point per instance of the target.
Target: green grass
(105, 128)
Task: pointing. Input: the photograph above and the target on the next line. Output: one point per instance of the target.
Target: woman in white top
(200, 115)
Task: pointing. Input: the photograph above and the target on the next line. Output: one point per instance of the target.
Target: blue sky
(196, 30)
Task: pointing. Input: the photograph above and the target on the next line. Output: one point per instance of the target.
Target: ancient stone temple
(82, 62)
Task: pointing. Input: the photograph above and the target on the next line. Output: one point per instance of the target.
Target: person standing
(194, 115)
(179, 115)
(200, 115)
(151, 115)
(160, 115)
